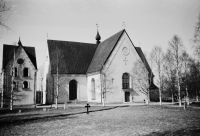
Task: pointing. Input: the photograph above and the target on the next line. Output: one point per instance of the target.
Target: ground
(132, 120)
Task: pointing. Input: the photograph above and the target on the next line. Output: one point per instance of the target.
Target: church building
(19, 73)
(93, 72)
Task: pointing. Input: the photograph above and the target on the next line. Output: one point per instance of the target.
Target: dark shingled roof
(8, 52)
(73, 57)
(141, 54)
(103, 52)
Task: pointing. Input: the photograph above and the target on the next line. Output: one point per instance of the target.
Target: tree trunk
(172, 98)
(197, 97)
(179, 95)
(57, 83)
(2, 91)
(12, 87)
(148, 98)
(160, 94)
(11, 95)
(187, 96)
(103, 100)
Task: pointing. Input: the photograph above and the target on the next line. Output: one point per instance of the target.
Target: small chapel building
(92, 72)
(19, 73)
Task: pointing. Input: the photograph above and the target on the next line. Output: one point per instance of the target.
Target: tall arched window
(125, 81)
(25, 72)
(93, 89)
(26, 84)
(73, 90)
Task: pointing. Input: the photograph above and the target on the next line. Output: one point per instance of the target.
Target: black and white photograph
(100, 67)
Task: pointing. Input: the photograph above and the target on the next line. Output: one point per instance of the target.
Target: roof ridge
(69, 41)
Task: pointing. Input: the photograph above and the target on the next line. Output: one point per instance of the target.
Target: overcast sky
(147, 22)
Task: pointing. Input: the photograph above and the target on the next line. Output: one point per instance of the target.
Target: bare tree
(169, 69)
(56, 79)
(196, 39)
(106, 84)
(185, 72)
(3, 9)
(141, 79)
(158, 59)
(176, 47)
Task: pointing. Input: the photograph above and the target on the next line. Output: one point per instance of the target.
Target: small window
(26, 72)
(125, 81)
(93, 89)
(26, 85)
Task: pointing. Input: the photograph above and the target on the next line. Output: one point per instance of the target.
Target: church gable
(8, 54)
(124, 53)
(103, 52)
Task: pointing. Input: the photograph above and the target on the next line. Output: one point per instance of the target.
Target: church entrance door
(72, 90)
(127, 96)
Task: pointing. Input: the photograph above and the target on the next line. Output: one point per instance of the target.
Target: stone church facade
(100, 72)
(19, 73)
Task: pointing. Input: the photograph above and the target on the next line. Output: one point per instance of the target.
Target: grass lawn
(134, 120)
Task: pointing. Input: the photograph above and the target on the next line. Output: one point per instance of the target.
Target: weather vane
(124, 25)
(97, 26)
(47, 35)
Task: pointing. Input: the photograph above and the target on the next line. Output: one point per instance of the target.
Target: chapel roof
(103, 52)
(8, 53)
(143, 58)
(73, 57)
(82, 58)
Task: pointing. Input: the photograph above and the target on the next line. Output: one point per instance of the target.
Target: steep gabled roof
(103, 52)
(141, 54)
(73, 57)
(8, 52)
(143, 58)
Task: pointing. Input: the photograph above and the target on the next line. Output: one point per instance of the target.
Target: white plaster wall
(96, 77)
(81, 87)
(117, 66)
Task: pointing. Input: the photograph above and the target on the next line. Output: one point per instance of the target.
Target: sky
(147, 22)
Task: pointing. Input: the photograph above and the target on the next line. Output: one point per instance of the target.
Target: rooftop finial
(98, 37)
(19, 43)
(124, 25)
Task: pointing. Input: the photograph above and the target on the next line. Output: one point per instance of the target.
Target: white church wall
(121, 61)
(96, 77)
(64, 80)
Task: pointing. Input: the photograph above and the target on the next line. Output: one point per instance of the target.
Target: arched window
(16, 72)
(125, 81)
(93, 89)
(25, 72)
(73, 90)
(26, 84)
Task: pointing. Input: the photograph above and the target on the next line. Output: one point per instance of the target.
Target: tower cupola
(98, 37)
(19, 42)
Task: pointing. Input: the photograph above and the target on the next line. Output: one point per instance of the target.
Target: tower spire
(98, 37)
(19, 42)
